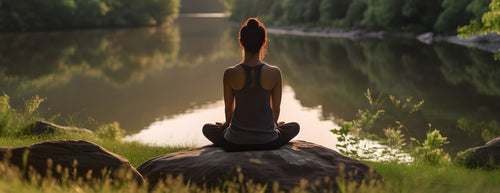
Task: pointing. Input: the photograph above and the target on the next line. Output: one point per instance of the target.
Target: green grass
(398, 178)
(137, 153)
(421, 177)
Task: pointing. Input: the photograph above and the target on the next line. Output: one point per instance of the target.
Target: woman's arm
(228, 97)
(276, 94)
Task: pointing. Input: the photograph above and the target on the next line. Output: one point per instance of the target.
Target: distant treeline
(23, 15)
(442, 16)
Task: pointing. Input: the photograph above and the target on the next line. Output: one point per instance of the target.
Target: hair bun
(252, 24)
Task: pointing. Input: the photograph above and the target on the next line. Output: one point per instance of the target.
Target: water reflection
(43, 60)
(167, 78)
(334, 73)
(185, 129)
(132, 76)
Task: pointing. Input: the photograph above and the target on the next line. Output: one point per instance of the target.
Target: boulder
(296, 161)
(487, 156)
(427, 38)
(80, 158)
(43, 127)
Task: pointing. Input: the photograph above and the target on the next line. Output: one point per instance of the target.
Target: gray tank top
(253, 120)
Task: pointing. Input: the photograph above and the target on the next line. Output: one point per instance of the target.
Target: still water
(163, 84)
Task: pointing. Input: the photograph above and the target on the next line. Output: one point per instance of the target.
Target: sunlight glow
(185, 129)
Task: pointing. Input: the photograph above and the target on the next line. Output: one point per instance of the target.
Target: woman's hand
(279, 124)
(224, 125)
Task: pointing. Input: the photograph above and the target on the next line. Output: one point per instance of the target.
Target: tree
(420, 15)
(490, 22)
(355, 13)
(383, 14)
(453, 15)
(333, 9)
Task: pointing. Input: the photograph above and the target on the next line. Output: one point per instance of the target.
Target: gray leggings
(215, 134)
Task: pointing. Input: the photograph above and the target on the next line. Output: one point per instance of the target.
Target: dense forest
(28, 15)
(441, 16)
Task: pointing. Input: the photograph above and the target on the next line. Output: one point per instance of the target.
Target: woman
(252, 97)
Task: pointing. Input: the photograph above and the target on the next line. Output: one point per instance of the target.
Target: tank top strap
(248, 75)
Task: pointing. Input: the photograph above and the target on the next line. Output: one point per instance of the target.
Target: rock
(288, 165)
(487, 156)
(83, 156)
(485, 38)
(43, 127)
(427, 38)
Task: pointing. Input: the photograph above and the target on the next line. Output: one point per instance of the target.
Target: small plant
(351, 133)
(379, 114)
(431, 149)
(31, 105)
(395, 141)
(347, 144)
(5, 113)
(13, 122)
(110, 131)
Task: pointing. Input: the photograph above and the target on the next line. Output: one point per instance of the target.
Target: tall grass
(398, 178)
(15, 122)
(419, 176)
(15, 128)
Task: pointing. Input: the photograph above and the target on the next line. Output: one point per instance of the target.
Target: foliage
(431, 149)
(382, 14)
(352, 133)
(441, 16)
(490, 21)
(5, 113)
(347, 145)
(12, 122)
(355, 13)
(63, 14)
(453, 15)
(478, 8)
(110, 131)
(395, 141)
(333, 9)
(299, 11)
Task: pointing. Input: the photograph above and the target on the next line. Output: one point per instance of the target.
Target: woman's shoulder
(271, 68)
(232, 71)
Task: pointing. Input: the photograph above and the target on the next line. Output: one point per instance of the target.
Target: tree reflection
(474, 67)
(487, 129)
(33, 61)
(333, 73)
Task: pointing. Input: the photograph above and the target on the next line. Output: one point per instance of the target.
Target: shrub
(430, 150)
(110, 131)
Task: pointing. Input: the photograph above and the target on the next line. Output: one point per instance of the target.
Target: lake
(163, 84)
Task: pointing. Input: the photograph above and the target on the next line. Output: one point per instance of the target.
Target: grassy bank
(419, 176)
(136, 153)
(400, 178)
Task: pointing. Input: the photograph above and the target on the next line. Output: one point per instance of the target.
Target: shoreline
(488, 42)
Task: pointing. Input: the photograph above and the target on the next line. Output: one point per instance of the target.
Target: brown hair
(253, 35)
